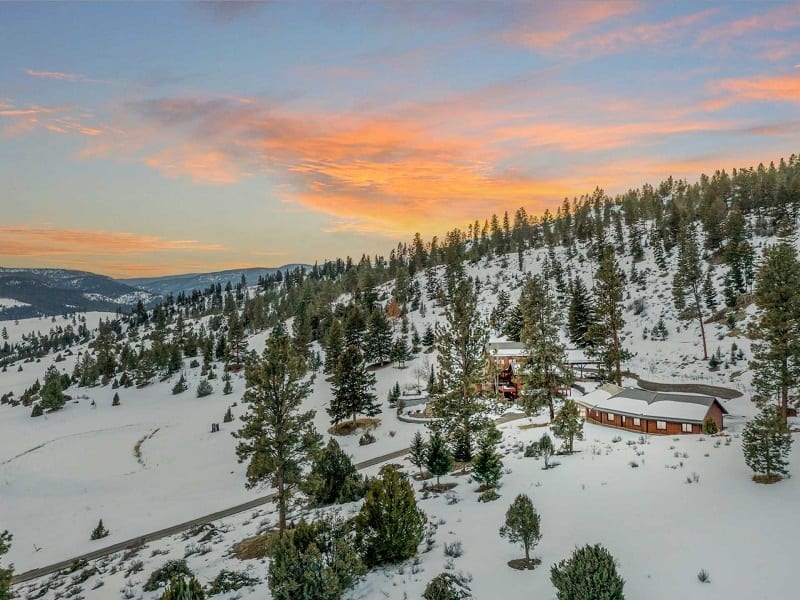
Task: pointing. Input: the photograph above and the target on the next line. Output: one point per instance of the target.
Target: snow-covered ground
(60, 473)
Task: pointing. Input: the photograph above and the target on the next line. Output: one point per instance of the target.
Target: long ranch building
(665, 413)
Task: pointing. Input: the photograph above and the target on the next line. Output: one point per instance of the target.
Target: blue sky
(152, 138)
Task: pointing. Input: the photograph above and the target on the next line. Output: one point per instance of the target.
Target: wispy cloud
(780, 88)
(779, 19)
(45, 240)
(551, 25)
(57, 75)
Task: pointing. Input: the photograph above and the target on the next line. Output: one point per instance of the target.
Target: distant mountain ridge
(28, 293)
(187, 282)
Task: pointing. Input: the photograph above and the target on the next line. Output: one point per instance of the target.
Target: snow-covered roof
(503, 348)
(665, 406)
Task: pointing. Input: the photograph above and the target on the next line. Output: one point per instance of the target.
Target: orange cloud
(564, 21)
(33, 117)
(36, 241)
(782, 88)
(209, 166)
(781, 18)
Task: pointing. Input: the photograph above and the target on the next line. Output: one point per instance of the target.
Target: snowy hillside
(665, 507)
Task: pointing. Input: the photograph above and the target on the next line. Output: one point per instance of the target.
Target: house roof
(502, 348)
(663, 406)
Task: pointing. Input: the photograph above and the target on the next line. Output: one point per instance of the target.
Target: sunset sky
(155, 138)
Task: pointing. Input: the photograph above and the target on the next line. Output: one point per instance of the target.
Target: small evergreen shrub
(710, 426)
(115, 400)
(703, 576)
(204, 388)
(230, 581)
(446, 587)
(367, 438)
(194, 364)
(99, 532)
(37, 410)
(182, 589)
(228, 416)
(162, 575)
(590, 572)
(180, 386)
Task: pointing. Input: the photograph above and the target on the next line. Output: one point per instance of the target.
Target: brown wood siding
(715, 412)
(646, 425)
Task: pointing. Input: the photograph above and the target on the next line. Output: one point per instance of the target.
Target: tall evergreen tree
(487, 466)
(378, 342)
(766, 441)
(276, 437)
(461, 343)
(52, 391)
(237, 340)
(568, 424)
(580, 315)
(334, 346)
(417, 451)
(438, 459)
(522, 525)
(688, 280)
(546, 369)
(605, 333)
(352, 388)
(776, 352)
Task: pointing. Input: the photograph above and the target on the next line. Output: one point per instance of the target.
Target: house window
(623, 419)
(686, 427)
(661, 424)
(582, 412)
(610, 416)
(637, 421)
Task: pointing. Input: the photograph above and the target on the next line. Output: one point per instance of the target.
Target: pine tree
(228, 388)
(115, 399)
(590, 572)
(204, 388)
(766, 441)
(333, 478)
(688, 280)
(545, 370)
(378, 342)
(52, 391)
(100, 531)
(568, 425)
(276, 437)
(182, 589)
(314, 561)
(709, 292)
(7, 572)
(417, 452)
(461, 343)
(428, 337)
(438, 459)
(390, 526)
(605, 333)
(487, 466)
(513, 323)
(334, 346)
(776, 350)
(237, 340)
(580, 315)
(400, 352)
(180, 385)
(37, 410)
(522, 525)
(352, 388)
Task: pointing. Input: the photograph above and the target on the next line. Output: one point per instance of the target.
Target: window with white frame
(622, 418)
(610, 416)
(637, 421)
(661, 424)
(686, 427)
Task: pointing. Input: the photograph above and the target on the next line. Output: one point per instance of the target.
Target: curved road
(181, 527)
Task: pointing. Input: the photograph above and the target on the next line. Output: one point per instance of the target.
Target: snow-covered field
(60, 473)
